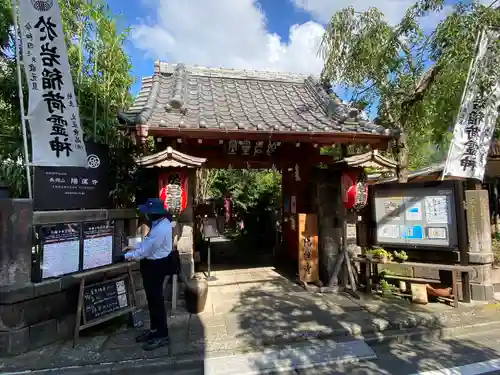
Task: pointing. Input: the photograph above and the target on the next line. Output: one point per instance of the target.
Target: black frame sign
(59, 250)
(105, 298)
(65, 249)
(74, 188)
(417, 215)
(97, 245)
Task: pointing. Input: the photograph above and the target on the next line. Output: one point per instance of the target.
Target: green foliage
(247, 188)
(380, 253)
(415, 77)
(400, 256)
(101, 75)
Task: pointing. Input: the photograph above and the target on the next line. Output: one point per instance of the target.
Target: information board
(74, 188)
(97, 244)
(104, 298)
(60, 249)
(415, 215)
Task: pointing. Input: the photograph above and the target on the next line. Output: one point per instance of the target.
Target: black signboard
(74, 188)
(60, 250)
(102, 299)
(97, 244)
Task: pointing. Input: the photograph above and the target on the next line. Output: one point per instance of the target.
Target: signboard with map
(415, 215)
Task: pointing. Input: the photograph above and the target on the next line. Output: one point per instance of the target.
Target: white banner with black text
(56, 133)
(475, 124)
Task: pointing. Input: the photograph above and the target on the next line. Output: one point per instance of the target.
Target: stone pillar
(480, 253)
(183, 229)
(329, 210)
(16, 223)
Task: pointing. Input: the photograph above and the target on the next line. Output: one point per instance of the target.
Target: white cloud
(234, 33)
(229, 33)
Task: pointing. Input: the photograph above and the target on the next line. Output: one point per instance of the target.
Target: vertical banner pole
(21, 97)
(466, 86)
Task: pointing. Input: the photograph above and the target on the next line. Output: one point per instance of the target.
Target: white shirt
(156, 245)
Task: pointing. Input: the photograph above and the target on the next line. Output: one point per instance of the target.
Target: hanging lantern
(173, 192)
(354, 190)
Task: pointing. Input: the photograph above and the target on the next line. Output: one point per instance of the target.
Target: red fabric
(164, 178)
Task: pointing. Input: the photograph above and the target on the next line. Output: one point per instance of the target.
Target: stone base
(479, 292)
(40, 314)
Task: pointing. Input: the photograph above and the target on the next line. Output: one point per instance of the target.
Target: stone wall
(37, 314)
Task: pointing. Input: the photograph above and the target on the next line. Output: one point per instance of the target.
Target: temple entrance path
(255, 309)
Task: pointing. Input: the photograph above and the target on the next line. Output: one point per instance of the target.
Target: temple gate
(249, 119)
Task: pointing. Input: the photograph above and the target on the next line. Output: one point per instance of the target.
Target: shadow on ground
(272, 314)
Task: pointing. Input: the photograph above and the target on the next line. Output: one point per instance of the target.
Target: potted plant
(380, 255)
(400, 256)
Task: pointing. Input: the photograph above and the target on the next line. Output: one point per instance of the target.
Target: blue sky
(280, 35)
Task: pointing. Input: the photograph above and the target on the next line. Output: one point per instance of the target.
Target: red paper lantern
(173, 192)
(354, 190)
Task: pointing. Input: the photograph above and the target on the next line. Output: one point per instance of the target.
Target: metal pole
(21, 97)
(208, 259)
(209, 276)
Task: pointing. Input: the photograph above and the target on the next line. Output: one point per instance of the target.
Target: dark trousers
(153, 274)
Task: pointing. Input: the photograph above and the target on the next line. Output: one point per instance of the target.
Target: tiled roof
(185, 97)
(426, 171)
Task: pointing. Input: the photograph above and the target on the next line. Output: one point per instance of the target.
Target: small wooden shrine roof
(182, 100)
(370, 159)
(170, 158)
(432, 172)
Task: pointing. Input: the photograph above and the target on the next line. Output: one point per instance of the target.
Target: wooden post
(79, 310)
(463, 243)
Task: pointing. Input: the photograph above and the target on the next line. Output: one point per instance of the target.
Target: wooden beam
(321, 138)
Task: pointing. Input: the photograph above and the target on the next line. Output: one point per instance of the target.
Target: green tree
(415, 76)
(101, 75)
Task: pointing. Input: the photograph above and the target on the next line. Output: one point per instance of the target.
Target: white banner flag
(478, 113)
(56, 134)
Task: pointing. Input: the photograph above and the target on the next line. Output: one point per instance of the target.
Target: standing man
(157, 260)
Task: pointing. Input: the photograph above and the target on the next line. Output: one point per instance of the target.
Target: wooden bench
(372, 268)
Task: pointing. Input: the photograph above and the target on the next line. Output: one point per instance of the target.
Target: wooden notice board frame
(132, 298)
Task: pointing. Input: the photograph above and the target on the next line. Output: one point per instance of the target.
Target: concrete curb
(191, 364)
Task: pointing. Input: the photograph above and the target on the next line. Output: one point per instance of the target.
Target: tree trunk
(402, 152)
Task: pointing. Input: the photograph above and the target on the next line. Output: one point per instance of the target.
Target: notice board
(415, 215)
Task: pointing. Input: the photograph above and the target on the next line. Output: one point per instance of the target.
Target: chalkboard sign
(104, 299)
(100, 302)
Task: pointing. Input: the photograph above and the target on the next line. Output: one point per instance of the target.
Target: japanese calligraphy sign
(248, 148)
(71, 188)
(56, 134)
(478, 112)
(308, 248)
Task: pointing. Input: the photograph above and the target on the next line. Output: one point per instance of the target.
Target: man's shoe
(144, 336)
(156, 343)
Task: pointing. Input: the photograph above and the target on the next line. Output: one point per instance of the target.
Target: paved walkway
(249, 309)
